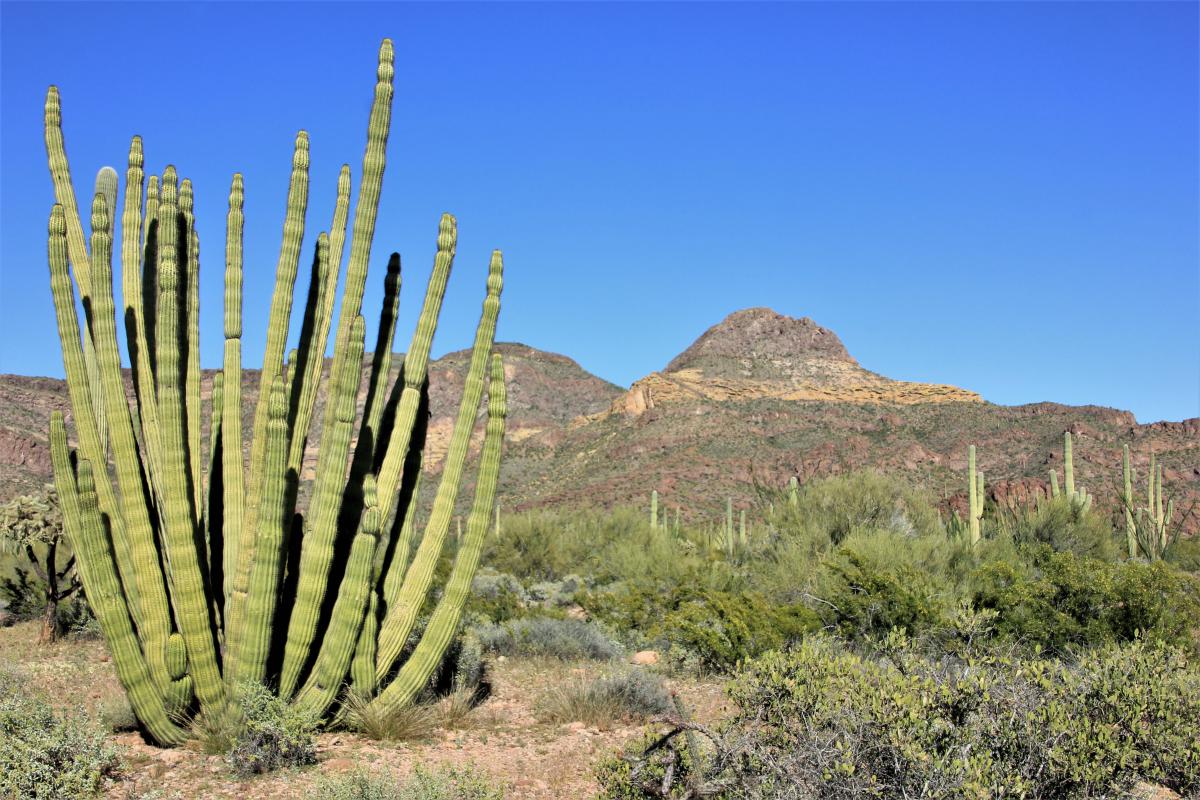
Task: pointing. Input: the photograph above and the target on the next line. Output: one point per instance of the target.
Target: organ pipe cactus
(204, 570)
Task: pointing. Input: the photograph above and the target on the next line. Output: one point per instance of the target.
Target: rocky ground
(503, 738)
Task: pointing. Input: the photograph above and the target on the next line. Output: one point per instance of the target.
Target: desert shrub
(705, 628)
(1185, 554)
(1063, 525)
(45, 755)
(497, 596)
(454, 783)
(822, 722)
(567, 639)
(831, 509)
(878, 580)
(1059, 600)
(634, 694)
(272, 734)
(116, 714)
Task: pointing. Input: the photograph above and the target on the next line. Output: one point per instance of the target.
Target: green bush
(830, 509)
(45, 755)
(1065, 526)
(710, 629)
(454, 783)
(822, 722)
(1059, 600)
(272, 734)
(567, 639)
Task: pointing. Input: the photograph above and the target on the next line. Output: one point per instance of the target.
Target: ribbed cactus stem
(654, 508)
(445, 618)
(317, 547)
(277, 331)
(974, 512)
(1054, 490)
(192, 334)
(274, 519)
(80, 391)
(188, 583)
(154, 616)
(232, 466)
(306, 365)
(400, 618)
(1127, 497)
(1068, 465)
(85, 531)
(794, 492)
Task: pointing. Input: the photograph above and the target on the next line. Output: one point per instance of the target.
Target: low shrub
(823, 722)
(413, 722)
(272, 734)
(634, 694)
(45, 755)
(455, 783)
(567, 639)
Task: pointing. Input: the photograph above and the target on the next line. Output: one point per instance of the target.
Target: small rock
(576, 726)
(645, 658)
(105, 658)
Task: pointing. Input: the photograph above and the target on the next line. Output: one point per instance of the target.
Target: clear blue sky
(998, 196)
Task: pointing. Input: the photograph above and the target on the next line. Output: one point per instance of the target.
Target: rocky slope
(758, 398)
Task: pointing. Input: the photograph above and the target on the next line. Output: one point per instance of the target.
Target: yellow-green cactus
(203, 570)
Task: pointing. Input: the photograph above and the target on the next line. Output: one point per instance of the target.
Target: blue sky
(999, 196)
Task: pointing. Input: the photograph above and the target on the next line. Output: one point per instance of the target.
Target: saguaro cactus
(202, 569)
(1078, 496)
(975, 497)
(1149, 528)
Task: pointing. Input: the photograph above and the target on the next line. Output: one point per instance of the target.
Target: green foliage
(271, 734)
(567, 639)
(823, 722)
(1059, 600)
(1064, 525)
(453, 783)
(414, 722)
(634, 694)
(32, 519)
(829, 510)
(45, 755)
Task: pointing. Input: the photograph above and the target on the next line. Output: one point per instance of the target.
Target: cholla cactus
(32, 525)
(201, 572)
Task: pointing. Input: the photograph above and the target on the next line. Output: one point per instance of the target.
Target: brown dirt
(503, 737)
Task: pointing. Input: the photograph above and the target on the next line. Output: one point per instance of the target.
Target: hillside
(758, 398)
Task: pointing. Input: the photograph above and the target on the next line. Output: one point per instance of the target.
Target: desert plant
(976, 497)
(1149, 529)
(633, 694)
(1077, 495)
(203, 576)
(414, 722)
(44, 754)
(567, 639)
(32, 525)
(271, 733)
(453, 783)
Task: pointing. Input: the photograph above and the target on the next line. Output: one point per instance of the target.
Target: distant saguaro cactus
(203, 572)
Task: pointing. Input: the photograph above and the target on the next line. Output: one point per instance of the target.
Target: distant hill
(758, 398)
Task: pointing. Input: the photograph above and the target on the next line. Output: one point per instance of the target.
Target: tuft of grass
(414, 722)
(455, 709)
(214, 732)
(116, 714)
(633, 695)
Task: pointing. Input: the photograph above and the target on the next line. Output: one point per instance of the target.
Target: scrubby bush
(272, 733)
(496, 596)
(634, 694)
(1064, 525)
(829, 510)
(45, 755)
(567, 639)
(1059, 600)
(823, 722)
(454, 783)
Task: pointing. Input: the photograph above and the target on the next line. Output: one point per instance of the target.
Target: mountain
(758, 398)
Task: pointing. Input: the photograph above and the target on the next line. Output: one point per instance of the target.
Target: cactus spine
(182, 558)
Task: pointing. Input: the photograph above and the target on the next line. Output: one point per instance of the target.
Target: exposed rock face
(757, 353)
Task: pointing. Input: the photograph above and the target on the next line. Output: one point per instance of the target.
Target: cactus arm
(316, 550)
(369, 435)
(395, 561)
(306, 364)
(64, 193)
(80, 392)
(179, 516)
(1054, 490)
(277, 329)
(338, 644)
(106, 187)
(192, 373)
(84, 528)
(444, 621)
(278, 485)
(400, 617)
(1127, 498)
(654, 508)
(154, 617)
(974, 513)
(232, 467)
(1068, 465)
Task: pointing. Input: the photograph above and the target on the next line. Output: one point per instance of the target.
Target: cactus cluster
(1077, 495)
(1148, 529)
(203, 570)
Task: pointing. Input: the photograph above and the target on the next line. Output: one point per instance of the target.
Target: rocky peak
(760, 343)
